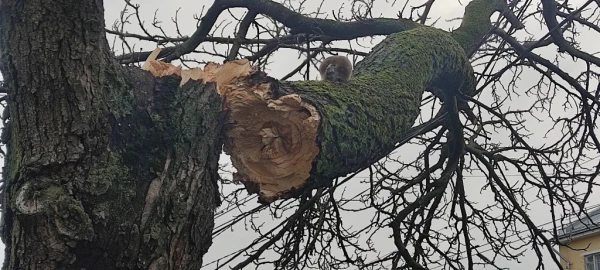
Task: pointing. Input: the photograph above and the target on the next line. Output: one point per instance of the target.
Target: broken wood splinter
(271, 141)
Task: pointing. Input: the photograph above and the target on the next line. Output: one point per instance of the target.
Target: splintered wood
(272, 142)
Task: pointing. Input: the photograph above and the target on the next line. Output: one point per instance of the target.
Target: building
(582, 240)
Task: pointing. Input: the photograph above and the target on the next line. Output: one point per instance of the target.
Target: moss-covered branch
(476, 23)
(359, 122)
(275, 144)
(364, 119)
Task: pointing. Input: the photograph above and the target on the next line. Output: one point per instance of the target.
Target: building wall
(576, 256)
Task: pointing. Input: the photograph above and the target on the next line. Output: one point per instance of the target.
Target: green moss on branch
(476, 23)
(363, 119)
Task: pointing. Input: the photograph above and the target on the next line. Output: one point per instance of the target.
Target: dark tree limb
(354, 129)
(241, 34)
(526, 53)
(295, 21)
(470, 34)
(549, 12)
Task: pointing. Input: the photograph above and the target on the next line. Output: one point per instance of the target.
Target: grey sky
(285, 60)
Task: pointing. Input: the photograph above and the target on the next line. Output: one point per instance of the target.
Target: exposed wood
(107, 167)
(285, 137)
(271, 140)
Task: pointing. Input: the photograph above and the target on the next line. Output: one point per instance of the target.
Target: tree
(111, 167)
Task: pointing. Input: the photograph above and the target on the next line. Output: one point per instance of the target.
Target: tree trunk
(107, 167)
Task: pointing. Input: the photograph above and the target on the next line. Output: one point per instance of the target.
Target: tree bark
(107, 167)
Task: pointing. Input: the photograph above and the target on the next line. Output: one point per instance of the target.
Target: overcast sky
(283, 63)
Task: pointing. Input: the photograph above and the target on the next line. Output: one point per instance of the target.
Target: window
(592, 261)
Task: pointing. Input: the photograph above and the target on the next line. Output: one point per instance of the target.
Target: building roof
(583, 224)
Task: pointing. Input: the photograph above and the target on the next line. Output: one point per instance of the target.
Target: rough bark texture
(107, 168)
(476, 23)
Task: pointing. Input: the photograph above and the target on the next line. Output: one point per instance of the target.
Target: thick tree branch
(476, 24)
(241, 34)
(549, 12)
(579, 19)
(295, 21)
(354, 130)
